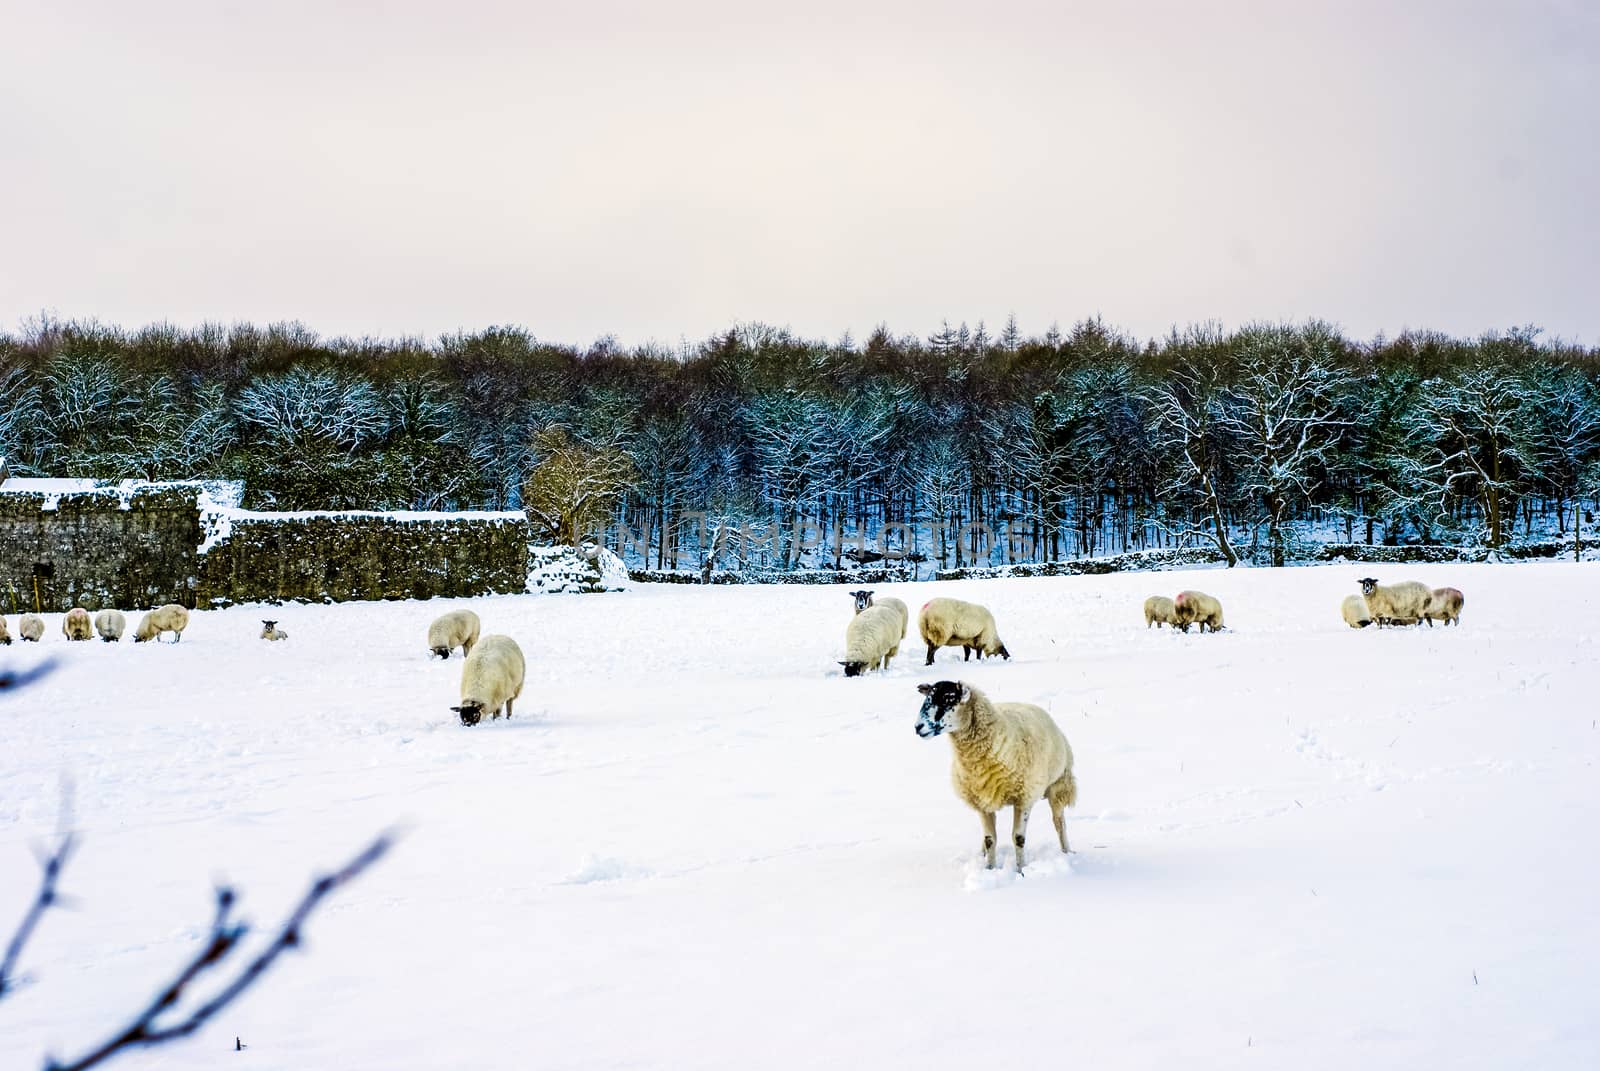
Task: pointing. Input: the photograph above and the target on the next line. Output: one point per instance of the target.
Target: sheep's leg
(1019, 830)
(508, 709)
(1061, 823)
(929, 662)
(966, 653)
(988, 838)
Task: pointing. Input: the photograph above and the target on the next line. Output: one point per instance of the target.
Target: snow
(697, 845)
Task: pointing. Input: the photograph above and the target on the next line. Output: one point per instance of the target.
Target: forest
(760, 449)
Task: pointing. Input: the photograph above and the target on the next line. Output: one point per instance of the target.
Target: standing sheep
(458, 628)
(76, 625)
(864, 599)
(871, 639)
(1445, 605)
(1404, 603)
(30, 627)
(169, 618)
(1158, 611)
(110, 625)
(1003, 755)
(271, 632)
(953, 623)
(1196, 607)
(1354, 611)
(491, 678)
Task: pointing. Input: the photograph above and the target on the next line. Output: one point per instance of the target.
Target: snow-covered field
(697, 845)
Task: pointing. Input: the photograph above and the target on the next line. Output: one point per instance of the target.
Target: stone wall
(99, 548)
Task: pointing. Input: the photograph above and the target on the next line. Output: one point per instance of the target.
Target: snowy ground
(697, 845)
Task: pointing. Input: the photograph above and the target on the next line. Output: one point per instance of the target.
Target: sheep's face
(854, 669)
(471, 712)
(939, 707)
(442, 652)
(1368, 585)
(863, 600)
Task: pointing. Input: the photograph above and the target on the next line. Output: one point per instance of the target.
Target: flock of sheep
(1014, 754)
(109, 625)
(494, 670)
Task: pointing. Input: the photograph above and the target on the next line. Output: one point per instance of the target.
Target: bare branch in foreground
(224, 938)
(22, 678)
(49, 894)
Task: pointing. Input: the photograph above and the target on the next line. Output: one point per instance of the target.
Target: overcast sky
(666, 169)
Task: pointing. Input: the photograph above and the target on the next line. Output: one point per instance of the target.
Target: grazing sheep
(1003, 754)
(271, 631)
(1354, 611)
(1445, 605)
(5, 637)
(953, 623)
(1196, 607)
(458, 628)
(1404, 603)
(30, 627)
(110, 625)
(491, 678)
(864, 599)
(871, 639)
(1158, 611)
(76, 625)
(169, 618)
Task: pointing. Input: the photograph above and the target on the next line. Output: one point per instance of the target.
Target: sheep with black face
(871, 639)
(1003, 755)
(271, 632)
(491, 678)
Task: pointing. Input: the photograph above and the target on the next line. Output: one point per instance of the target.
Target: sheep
(458, 628)
(1158, 611)
(1444, 605)
(1196, 607)
(864, 599)
(30, 627)
(1002, 754)
(169, 618)
(953, 623)
(1395, 604)
(1354, 611)
(76, 625)
(491, 678)
(871, 639)
(5, 637)
(271, 632)
(110, 625)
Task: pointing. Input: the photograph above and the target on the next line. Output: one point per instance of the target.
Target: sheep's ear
(925, 689)
(966, 693)
(844, 663)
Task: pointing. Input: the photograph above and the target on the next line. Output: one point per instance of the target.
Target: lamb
(169, 618)
(871, 639)
(76, 625)
(458, 628)
(1158, 611)
(5, 637)
(1396, 604)
(1196, 607)
(1003, 754)
(864, 599)
(271, 632)
(30, 627)
(953, 623)
(1444, 605)
(110, 625)
(490, 678)
(1354, 611)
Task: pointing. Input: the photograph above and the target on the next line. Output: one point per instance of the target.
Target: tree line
(761, 448)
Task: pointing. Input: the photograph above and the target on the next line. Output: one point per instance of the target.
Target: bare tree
(1188, 402)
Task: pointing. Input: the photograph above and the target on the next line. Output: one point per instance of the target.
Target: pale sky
(664, 170)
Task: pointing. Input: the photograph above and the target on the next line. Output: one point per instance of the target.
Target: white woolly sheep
(1196, 607)
(110, 625)
(1158, 611)
(76, 625)
(491, 678)
(1003, 754)
(169, 618)
(1445, 605)
(30, 627)
(271, 632)
(871, 639)
(458, 628)
(5, 637)
(864, 599)
(953, 623)
(1354, 611)
(1395, 604)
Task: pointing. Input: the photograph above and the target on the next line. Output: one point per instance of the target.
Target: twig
(224, 939)
(49, 896)
(19, 679)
